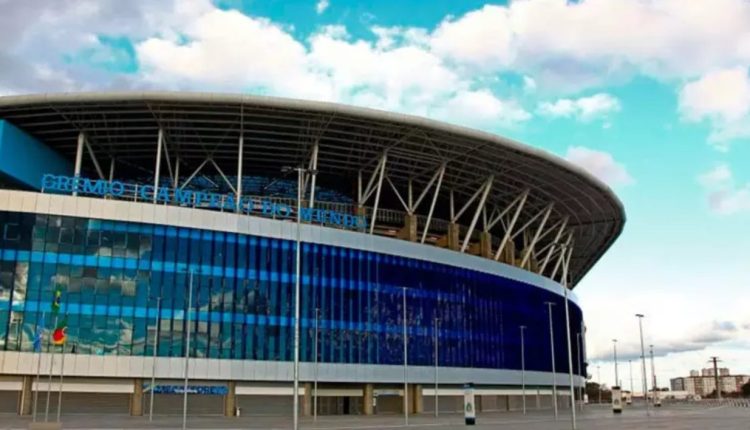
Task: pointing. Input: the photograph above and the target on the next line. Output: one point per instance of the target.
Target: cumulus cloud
(584, 109)
(600, 164)
(321, 6)
(581, 44)
(722, 98)
(724, 196)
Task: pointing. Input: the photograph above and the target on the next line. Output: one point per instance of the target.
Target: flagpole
(62, 370)
(38, 366)
(49, 379)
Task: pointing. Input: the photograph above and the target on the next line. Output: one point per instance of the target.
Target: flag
(38, 335)
(60, 335)
(56, 299)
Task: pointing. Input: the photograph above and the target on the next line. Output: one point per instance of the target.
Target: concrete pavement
(670, 417)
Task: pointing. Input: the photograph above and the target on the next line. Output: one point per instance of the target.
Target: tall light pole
(569, 339)
(153, 360)
(406, 364)
(187, 350)
(523, 368)
(579, 368)
(315, 353)
(643, 362)
(653, 374)
(552, 350)
(437, 350)
(630, 364)
(599, 379)
(300, 174)
(617, 376)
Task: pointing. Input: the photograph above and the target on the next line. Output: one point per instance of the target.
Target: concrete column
(454, 241)
(508, 254)
(136, 399)
(369, 393)
(485, 244)
(409, 230)
(25, 397)
(230, 400)
(307, 403)
(417, 400)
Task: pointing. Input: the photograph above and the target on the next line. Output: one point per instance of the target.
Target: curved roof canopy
(282, 132)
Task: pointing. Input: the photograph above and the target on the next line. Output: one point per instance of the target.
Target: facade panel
(111, 273)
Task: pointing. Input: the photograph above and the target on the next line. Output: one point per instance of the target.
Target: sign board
(215, 390)
(616, 400)
(200, 199)
(470, 414)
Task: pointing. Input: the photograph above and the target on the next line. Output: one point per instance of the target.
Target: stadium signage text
(199, 199)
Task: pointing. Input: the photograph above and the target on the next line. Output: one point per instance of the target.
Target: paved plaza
(670, 417)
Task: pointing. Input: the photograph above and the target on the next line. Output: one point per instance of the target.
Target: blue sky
(653, 97)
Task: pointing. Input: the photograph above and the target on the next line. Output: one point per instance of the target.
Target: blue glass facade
(243, 286)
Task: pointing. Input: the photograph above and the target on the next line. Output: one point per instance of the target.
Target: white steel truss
(485, 192)
(537, 234)
(509, 230)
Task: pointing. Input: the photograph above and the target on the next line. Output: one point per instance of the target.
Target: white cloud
(321, 6)
(394, 72)
(585, 108)
(583, 43)
(529, 84)
(722, 98)
(600, 164)
(724, 196)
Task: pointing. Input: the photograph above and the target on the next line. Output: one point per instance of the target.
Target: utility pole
(715, 361)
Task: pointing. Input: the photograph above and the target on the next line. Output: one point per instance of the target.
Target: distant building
(705, 384)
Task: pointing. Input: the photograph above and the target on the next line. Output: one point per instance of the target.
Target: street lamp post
(599, 379)
(617, 376)
(315, 353)
(437, 338)
(300, 173)
(187, 350)
(523, 368)
(153, 360)
(653, 375)
(643, 362)
(570, 348)
(552, 348)
(579, 366)
(406, 363)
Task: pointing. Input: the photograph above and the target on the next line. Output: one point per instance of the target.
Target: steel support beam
(530, 247)
(79, 156)
(509, 232)
(440, 174)
(551, 248)
(190, 178)
(314, 173)
(377, 194)
(157, 170)
(562, 255)
(221, 173)
(240, 155)
(93, 158)
(111, 169)
(480, 206)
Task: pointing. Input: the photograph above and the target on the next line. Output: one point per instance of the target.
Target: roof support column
(509, 232)
(480, 206)
(111, 169)
(314, 171)
(441, 172)
(157, 170)
(551, 248)
(240, 150)
(384, 159)
(530, 247)
(176, 180)
(79, 157)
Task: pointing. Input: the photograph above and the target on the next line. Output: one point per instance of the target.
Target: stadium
(136, 226)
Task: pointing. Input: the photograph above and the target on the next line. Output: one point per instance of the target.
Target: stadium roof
(281, 132)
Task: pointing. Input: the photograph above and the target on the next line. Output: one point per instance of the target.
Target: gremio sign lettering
(199, 199)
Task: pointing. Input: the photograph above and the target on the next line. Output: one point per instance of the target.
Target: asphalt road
(670, 417)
